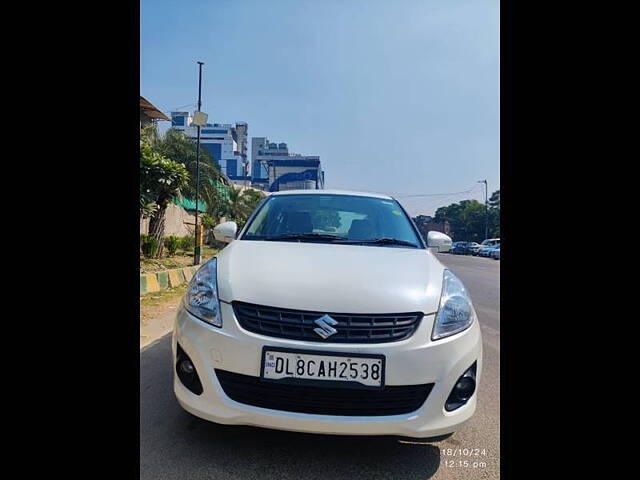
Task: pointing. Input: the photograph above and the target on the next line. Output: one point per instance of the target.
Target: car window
(349, 217)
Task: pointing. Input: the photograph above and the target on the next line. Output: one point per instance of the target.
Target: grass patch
(183, 259)
(163, 296)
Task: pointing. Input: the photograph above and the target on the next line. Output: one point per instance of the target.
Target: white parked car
(328, 313)
(496, 253)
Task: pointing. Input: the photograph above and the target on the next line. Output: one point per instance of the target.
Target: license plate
(303, 366)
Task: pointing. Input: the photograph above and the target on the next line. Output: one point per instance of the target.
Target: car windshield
(331, 218)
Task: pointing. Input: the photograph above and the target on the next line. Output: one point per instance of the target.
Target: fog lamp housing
(463, 389)
(186, 371)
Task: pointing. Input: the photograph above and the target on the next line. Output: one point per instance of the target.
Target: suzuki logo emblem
(325, 329)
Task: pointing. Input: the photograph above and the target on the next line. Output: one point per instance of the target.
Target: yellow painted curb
(188, 273)
(175, 278)
(152, 283)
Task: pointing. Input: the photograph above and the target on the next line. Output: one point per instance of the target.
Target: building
(149, 114)
(180, 214)
(274, 168)
(226, 143)
(426, 224)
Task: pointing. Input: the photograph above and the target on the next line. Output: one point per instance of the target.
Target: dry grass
(153, 304)
(150, 265)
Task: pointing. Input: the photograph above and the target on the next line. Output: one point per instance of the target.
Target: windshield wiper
(382, 241)
(305, 236)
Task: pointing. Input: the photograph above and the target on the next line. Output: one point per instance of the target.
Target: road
(175, 445)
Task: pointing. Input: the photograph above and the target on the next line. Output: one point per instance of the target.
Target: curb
(157, 281)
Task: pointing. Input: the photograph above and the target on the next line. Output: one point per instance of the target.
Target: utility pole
(275, 179)
(196, 251)
(486, 209)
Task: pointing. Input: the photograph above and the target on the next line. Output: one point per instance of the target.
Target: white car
(328, 314)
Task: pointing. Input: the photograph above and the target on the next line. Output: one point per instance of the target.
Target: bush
(172, 243)
(148, 245)
(187, 242)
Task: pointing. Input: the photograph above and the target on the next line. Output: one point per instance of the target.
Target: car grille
(352, 328)
(391, 400)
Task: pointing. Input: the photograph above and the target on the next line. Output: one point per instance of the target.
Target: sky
(398, 97)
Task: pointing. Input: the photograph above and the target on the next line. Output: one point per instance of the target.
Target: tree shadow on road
(175, 444)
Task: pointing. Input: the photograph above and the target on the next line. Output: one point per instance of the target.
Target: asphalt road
(176, 445)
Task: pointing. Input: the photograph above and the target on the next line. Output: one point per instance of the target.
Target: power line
(430, 202)
(180, 107)
(434, 194)
(437, 201)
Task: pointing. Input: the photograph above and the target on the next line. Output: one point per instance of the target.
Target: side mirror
(439, 241)
(225, 232)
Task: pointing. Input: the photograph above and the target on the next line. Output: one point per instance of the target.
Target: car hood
(330, 278)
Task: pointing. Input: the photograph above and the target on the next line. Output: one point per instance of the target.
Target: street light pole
(486, 209)
(196, 250)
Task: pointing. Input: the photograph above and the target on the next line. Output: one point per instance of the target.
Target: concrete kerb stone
(176, 277)
(157, 281)
(163, 280)
(152, 283)
(188, 273)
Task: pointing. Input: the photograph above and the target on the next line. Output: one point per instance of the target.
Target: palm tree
(240, 203)
(237, 205)
(175, 145)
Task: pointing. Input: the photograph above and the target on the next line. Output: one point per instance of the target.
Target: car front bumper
(416, 360)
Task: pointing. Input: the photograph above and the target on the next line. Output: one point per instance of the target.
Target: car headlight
(201, 299)
(455, 312)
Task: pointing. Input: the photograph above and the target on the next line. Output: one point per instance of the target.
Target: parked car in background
(459, 248)
(463, 248)
(496, 253)
(470, 247)
(489, 242)
(453, 246)
(487, 251)
(473, 250)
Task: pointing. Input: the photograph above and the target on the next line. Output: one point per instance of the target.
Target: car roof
(333, 192)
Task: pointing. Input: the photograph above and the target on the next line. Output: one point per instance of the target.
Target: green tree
(177, 146)
(494, 214)
(252, 198)
(238, 205)
(467, 218)
(218, 208)
(147, 208)
(161, 181)
(494, 200)
(238, 210)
